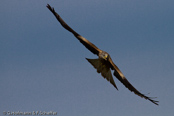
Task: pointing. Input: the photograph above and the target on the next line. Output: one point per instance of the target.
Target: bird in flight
(104, 62)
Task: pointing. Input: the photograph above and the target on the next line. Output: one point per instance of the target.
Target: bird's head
(104, 55)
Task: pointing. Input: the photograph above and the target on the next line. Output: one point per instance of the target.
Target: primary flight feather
(104, 63)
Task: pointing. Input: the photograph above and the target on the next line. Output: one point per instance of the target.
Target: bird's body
(104, 63)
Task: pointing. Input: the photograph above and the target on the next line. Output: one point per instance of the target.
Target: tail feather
(102, 68)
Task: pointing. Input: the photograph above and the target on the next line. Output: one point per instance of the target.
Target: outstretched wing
(104, 69)
(96, 51)
(84, 41)
(127, 84)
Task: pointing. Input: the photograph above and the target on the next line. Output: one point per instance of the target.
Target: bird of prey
(104, 62)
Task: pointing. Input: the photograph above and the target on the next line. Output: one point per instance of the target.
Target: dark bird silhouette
(104, 62)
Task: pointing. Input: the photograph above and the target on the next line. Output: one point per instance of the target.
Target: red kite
(104, 62)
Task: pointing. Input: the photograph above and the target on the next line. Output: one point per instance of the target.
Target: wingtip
(47, 5)
(155, 102)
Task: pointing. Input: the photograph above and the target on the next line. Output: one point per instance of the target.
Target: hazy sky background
(43, 66)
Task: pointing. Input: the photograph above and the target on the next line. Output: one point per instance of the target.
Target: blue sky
(43, 66)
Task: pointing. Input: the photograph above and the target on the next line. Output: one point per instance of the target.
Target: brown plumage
(104, 63)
